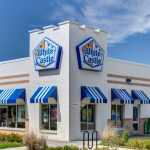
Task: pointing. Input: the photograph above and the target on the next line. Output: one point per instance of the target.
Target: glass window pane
(135, 113)
(3, 116)
(45, 117)
(21, 116)
(12, 116)
(91, 117)
(53, 120)
(83, 117)
(135, 126)
(113, 115)
(119, 116)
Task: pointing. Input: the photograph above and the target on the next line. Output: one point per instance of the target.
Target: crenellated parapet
(54, 28)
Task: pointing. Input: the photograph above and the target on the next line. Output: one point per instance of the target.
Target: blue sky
(127, 23)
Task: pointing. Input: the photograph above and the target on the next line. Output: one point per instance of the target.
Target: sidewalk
(16, 148)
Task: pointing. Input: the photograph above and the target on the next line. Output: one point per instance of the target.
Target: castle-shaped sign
(90, 55)
(46, 55)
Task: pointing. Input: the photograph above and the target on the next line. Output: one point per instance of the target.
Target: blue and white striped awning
(137, 94)
(123, 95)
(43, 93)
(94, 93)
(10, 96)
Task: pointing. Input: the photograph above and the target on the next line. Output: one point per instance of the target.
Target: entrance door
(135, 119)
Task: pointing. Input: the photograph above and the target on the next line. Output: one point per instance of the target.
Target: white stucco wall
(16, 67)
(78, 78)
(59, 78)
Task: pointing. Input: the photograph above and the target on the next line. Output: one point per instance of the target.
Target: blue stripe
(1, 91)
(34, 95)
(44, 90)
(10, 96)
(137, 94)
(123, 95)
(88, 93)
(94, 93)
(50, 92)
(44, 93)
(102, 95)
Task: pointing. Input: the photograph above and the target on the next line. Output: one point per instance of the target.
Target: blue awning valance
(10, 96)
(94, 93)
(123, 95)
(43, 93)
(137, 94)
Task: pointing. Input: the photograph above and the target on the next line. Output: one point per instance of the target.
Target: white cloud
(110, 45)
(121, 18)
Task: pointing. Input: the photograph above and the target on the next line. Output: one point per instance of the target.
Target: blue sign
(46, 55)
(90, 55)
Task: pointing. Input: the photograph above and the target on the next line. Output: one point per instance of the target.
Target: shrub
(13, 137)
(108, 135)
(138, 143)
(66, 147)
(33, 141)
(119, 142)
(125, 135)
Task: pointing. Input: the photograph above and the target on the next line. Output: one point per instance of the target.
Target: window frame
(7, 118)
(116, 114)
(87, 117)
(49, 117)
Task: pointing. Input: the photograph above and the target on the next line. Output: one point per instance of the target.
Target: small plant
(125, 135)
(108, 135)
(33, 141)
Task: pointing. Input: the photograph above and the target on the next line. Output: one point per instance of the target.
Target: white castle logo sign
(90, 55)
(46, 55)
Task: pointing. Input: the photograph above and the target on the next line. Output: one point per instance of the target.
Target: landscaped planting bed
(10, 140)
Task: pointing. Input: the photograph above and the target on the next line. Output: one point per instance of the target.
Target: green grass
(103, 144)
(10, 145)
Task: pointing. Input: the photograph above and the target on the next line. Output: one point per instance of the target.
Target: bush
(138, 143)
(33, 141)
(119, 142)
(125, 135)
(13, 137)
(66, 147)
(108, 135)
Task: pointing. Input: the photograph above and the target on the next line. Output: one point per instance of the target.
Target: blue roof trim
(123, 95)
(43, 93)
(94, 93)
(138, 94)
(10, 96)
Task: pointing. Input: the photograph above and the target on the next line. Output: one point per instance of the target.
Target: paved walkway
(16, 148)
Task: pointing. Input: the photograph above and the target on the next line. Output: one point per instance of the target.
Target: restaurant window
(49, 117)
(87, 117)
(117, 115)
(12, 116)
